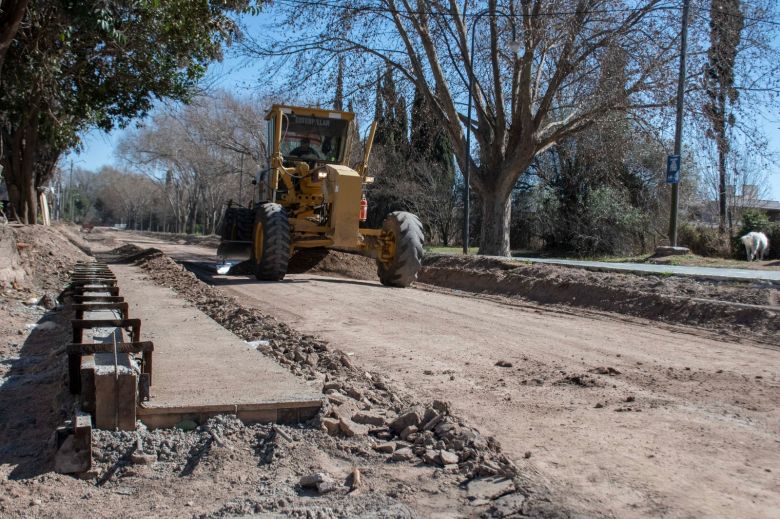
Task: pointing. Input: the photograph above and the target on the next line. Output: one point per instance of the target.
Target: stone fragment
(431, 457)
(350, 428)
(433, 422)
(508, 505)
(409, 417)
(387, 447)
(319, 480)
(441, 406)
(333, 384)
(504, 364)
(331, 425)
(311, 480)
(368, 418)
(336, 398)
(326, 486)
(404, 454)
(354, 393)
(429, 414)
(448, 458)
(489, 488)
(406, 432)
(312, 359)
(444, 429)
(48, 302)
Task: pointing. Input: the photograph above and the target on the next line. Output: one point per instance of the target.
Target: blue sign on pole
(673, 169)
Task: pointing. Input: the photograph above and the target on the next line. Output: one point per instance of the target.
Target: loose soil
(741, 308)
(702, 261)
(223, 467)
(621, 416)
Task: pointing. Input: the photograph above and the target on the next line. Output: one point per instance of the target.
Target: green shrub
(704, 241)
(754, 220)
(772, 232)
(603, 223)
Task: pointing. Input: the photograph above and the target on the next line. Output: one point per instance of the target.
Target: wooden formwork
(109, 373)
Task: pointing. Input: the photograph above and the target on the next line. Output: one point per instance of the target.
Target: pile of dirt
(746, 308)
(34, 329)
(328, 262)
(35, 256)
(331, 262)
(204, 240)
(178, 455)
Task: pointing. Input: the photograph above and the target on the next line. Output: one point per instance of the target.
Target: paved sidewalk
(202, 369)
(772, 276)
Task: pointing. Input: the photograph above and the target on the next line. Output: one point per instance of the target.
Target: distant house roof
(765, 205)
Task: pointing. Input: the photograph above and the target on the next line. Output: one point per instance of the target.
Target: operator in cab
(305, 151)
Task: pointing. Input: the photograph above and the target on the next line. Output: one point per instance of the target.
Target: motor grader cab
(309, 197)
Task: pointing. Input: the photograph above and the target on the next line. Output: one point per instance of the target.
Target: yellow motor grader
(309, 197)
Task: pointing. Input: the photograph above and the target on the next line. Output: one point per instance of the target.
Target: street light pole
(678, 127)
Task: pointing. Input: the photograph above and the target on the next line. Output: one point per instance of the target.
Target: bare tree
(201, 155)
(524, 101)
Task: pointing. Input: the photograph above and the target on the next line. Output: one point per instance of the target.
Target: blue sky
(237, 75)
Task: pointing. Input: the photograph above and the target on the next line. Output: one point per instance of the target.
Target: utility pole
(241, 181)
(70, 192)
(678, 128)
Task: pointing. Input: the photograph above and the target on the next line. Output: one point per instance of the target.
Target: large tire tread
(237, 224)
(408, 230)
(276, 242)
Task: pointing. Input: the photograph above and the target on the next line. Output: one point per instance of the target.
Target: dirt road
(628, 418)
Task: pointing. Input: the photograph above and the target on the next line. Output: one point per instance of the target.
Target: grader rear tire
(245, 220)
(237, 224)
(271, 242)
(408, 233)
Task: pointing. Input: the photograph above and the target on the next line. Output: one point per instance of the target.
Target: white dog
(756, 244)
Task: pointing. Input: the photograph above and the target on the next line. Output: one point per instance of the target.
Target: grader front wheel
(399, 267)
(271, 242)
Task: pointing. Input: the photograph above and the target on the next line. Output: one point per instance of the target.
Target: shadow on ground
(34, 398)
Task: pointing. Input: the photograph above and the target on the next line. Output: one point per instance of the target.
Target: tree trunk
(722, 145)
(722, 195)
(496, 215)
(29, 142)
(19, 161)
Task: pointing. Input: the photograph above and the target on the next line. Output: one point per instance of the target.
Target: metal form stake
(678, 128)
(116, 383)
